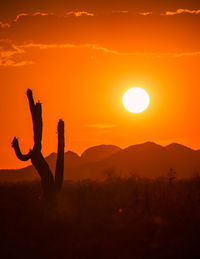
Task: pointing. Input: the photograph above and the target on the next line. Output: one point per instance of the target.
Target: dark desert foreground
(117, 218)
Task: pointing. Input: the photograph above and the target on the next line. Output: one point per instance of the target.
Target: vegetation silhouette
(117, 218)
(50, 186)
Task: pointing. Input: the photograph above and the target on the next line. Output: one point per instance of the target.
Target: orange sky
(79, 62)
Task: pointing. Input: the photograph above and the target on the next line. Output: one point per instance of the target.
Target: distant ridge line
(147, 159)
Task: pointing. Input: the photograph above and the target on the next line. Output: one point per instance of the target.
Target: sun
(136, 100)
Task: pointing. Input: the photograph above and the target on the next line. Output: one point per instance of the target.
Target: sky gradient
(79, 58)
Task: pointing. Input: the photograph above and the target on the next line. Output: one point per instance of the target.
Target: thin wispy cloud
(97, 47)
(33, 14)
(4, 25)
(45, 30)
(111, 51)
(80, 13)
(41, 14)
(10, 53)
(186, 54)
(53, 46)
(19, 16)
(10, 56)
(106, 50)
(145, 13)
(12, 63)
(120, 11)
(99, 126)
(181, 11)
(86, 13)
(47, 46)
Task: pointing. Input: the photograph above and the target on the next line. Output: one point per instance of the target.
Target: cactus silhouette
(50, 186)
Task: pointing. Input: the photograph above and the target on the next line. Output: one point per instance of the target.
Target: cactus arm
(60, 156)
(31, 101)
(36, 113)
(37, 126)
(20, 156)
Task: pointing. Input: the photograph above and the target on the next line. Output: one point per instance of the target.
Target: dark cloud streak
(10, 8)
(123, 32)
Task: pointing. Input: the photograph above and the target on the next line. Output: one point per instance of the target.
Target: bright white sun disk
(136, 100)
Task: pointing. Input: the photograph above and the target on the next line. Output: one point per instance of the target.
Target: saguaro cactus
(50, 186)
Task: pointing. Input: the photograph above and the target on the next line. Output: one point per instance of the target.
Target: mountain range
(148, 160)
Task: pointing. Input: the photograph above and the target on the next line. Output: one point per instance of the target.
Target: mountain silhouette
(152, 160)
(145, 160)
(70, 158)
(98, 153)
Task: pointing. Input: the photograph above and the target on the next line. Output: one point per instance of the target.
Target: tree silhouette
(171, 175)
(50, 186)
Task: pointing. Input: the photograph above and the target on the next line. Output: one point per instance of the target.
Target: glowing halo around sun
(135, 100)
